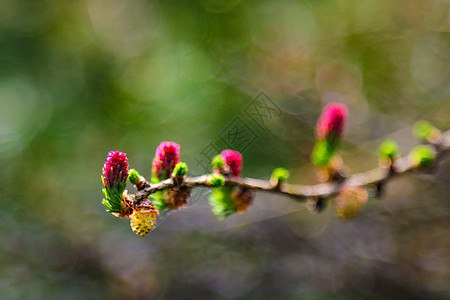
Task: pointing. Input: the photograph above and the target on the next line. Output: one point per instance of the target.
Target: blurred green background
(81, 78)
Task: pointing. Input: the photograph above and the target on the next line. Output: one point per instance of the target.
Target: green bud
(388, 150)
(280, 175)
(217, 180)
(217, 162)
(423, 130)
(323, 151)
(133, 176)
(422, 156)
(221, 203)
(180, 169)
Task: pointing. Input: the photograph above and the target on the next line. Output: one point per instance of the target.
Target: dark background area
(81, 78)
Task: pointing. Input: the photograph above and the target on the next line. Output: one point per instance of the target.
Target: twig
(375, 176)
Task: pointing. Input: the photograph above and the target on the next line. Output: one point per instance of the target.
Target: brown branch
(376, 176)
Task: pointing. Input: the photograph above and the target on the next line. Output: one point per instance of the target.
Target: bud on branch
(170, 186)
(114, 177)
(329, 131)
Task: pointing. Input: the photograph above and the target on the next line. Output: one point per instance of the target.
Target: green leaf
(159, 200)
(221, 204)
(280, 174)
(114, 199)
(217, 180)
(180, 169)
(422, 130)
(217, 162)
(105, 193)
(106, 203)
(422, 156)
(388, 150)
(133, 176)
(322, 153)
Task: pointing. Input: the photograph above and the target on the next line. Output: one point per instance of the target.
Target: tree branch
(377, 176)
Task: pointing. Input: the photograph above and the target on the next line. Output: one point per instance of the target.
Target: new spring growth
(388, 152)
(164, 162)
(166, 158)
(422, 156)
(133, 176)
(279, 175)
(180, 170)
(332, 121)
(229, 162)
(233, 194)
(329, 131)
(217, 164)
(143, 218)
(425, 131)
(178, 196)
(136, 179)
(115, 171)
(222, 205)
(114, 178)
(216, 180)
(226, 200)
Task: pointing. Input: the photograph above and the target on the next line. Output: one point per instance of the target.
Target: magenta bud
(115, 171)
(332, 121)
(232, 162)
(166, 158)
